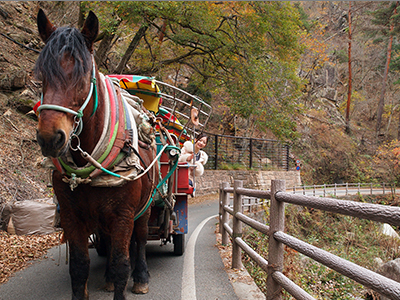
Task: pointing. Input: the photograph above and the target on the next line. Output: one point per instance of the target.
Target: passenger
(201, 157)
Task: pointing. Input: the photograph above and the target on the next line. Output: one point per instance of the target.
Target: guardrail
(276, 280)
(343, 189)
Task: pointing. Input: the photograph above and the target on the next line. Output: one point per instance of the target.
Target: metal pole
(275, 248)
(251, 153)
(216, 153)
(287, 157)
(224, 199)
(237, 226)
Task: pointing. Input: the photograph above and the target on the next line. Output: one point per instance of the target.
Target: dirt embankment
(20, 177)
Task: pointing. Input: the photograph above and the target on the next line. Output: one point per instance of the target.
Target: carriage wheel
(179, 244)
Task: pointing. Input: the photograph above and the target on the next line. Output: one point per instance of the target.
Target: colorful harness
(117, 144)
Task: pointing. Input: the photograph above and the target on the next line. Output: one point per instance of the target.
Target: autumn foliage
(18, 250)
(387, 162)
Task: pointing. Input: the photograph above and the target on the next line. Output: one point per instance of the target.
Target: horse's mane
(63, 41)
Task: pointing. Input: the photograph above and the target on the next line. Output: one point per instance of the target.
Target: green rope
(169, 147)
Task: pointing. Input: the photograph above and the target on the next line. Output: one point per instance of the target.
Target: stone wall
(209, 182)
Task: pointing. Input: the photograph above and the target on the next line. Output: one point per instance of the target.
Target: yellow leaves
(316, 47)
(396, 151)
(17, 250)
(387, 159)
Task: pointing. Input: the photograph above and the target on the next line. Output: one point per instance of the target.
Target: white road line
(188, 279)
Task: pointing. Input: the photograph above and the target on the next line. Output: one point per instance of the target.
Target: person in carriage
(193, 153)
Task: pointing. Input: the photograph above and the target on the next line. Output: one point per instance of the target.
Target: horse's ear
(44, 26)
(90, 30)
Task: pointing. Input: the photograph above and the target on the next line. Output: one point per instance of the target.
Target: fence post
(275, 248)
(383, 187)
(237, 226)
(224, 216)
(371, 188)
(347, 188)
(335, 190)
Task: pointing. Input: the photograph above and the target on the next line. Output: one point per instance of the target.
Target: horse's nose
(52, 145)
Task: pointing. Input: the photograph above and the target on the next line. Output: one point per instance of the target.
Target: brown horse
(71, 119)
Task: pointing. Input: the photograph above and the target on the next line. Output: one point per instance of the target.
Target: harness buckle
(78, 146)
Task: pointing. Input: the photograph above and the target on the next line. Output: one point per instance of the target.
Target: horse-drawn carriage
(180, 116)
(99, 132)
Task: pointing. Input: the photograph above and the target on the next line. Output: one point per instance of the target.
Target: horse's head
(66, 68)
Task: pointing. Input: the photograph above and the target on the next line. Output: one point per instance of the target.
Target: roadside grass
(353, 239)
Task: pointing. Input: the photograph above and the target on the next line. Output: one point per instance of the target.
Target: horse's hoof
(140, 288)
(109, 287)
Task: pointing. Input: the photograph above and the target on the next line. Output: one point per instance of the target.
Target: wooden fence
(276, 280)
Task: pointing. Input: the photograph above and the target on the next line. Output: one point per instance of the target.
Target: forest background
(321, 76)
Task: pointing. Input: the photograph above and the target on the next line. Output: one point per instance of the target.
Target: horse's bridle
(79, 113)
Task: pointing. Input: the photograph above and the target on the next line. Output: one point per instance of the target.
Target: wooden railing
(276, 280)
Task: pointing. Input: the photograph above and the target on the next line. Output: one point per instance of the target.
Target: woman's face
(201, 143)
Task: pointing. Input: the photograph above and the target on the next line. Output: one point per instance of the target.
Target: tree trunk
(131, 49)
(104, 47)
(385, 76)
(398, 129)
(350, 77)
(81, 17)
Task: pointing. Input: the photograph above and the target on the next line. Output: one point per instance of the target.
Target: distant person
(189, 151)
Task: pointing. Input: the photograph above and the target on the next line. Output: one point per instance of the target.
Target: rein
(78, 114)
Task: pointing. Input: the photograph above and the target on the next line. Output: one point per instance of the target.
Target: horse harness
(117, 148)
(118, 143)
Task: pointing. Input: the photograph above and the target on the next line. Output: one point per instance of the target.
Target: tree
(131, 48)
(387, 18)
(246, 51)
(350, 76)
(387, 162)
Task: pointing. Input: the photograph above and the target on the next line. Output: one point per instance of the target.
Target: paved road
(205, 277)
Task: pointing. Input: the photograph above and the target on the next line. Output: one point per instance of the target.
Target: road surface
(198, 274)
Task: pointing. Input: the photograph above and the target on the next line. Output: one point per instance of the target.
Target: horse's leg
(118, 271)
(79, 271)
(140, 272)
(109, 287)
(77, 236)
(79, 264)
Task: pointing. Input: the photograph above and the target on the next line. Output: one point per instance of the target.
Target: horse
(72, 118)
